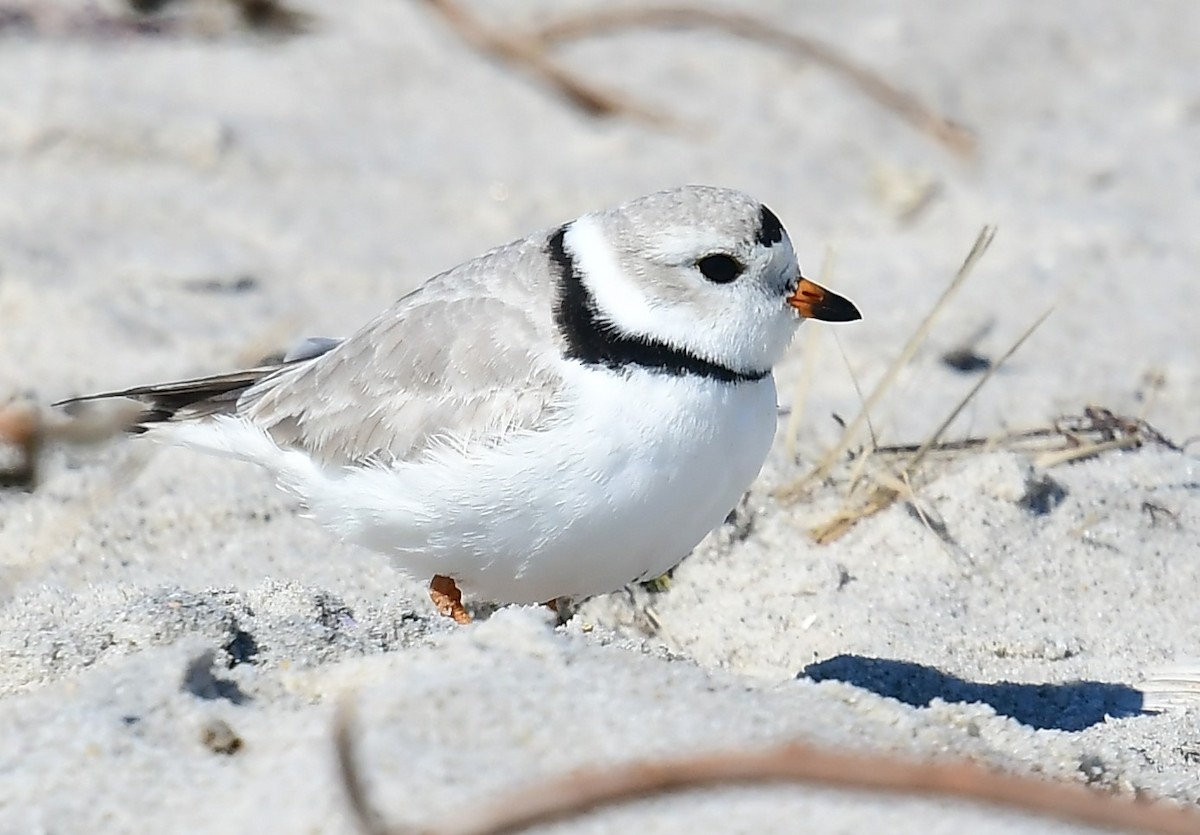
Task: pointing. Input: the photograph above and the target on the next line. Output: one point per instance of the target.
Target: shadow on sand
(1072, 706)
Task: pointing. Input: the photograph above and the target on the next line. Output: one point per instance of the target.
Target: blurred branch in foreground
(529, 50)
(26, 430)
(588, 789)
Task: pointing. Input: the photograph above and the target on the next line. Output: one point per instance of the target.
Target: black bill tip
(812, 301)
(835, 308)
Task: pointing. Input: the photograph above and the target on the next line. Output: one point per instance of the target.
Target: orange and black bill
(815, 302)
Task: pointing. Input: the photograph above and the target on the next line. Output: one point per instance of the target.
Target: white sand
(146, 593)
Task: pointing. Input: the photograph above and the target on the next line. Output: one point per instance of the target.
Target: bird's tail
(217, 394)
(200, 397)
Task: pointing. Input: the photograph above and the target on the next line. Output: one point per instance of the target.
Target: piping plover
(558, 417)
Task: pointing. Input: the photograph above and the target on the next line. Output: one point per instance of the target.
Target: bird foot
(446, 597)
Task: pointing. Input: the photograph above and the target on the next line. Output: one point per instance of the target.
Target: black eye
(720, 268)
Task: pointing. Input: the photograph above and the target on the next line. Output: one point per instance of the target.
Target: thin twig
(884, 494)
(589, 789)
(1094, 432)
(872, 84)
(808, 364)
(825, 466)
(365, 816)
(1007, 439)
(1073, 429)
(529, 53)
(1053, 458)
(21, 429)
(936, 435)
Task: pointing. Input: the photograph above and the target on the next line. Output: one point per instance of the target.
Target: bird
(558, 417)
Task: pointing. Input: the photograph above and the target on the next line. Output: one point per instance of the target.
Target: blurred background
(189, 184)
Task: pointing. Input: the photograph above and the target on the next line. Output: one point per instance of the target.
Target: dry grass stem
(872, 84)
(589, 789)
(356, 792)
(887, 487)
(21, 431)
(808, 365)
(830, 459)
(529, 51)
(936, 435)
(1068, 439)
(29, 429)
(1093, 431)
(1053, 458)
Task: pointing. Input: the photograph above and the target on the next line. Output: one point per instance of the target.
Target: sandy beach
(185, 194)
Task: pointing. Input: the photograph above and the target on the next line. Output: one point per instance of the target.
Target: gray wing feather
(309, 347)
(466, 357)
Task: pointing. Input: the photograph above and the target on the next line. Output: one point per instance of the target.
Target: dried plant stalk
(905, 105)
(1068, 439)
(936, 435)
(885, 492)
(590, 789)
(826, 464)
(529, 51)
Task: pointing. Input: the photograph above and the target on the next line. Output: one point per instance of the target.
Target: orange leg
(448, 599)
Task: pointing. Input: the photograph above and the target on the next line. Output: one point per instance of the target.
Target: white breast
(630, 477)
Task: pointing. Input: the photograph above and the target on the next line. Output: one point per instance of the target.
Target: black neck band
(595, 342)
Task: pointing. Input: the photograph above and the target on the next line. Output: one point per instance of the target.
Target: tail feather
(217, 394)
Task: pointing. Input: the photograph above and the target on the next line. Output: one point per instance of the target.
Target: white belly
(631, 478)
